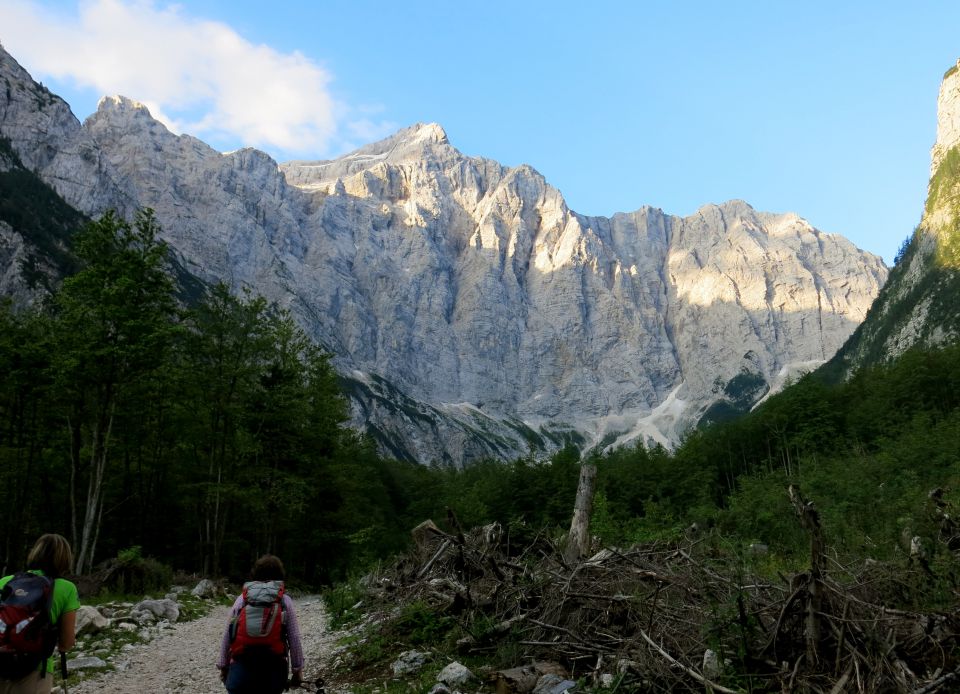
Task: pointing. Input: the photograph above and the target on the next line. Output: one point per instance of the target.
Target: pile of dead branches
(678, 617)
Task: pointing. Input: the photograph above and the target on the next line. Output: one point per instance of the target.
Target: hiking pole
(63, 670)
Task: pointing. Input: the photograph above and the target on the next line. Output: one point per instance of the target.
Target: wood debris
(649, 614)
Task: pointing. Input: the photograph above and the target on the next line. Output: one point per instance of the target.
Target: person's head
(51, 554)
(268, 568)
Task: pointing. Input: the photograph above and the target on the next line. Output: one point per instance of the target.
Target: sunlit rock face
(948, 117)
(919, 307)
(471, 312)
(530, 309)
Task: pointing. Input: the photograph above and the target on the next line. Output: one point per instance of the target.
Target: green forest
(202, 433)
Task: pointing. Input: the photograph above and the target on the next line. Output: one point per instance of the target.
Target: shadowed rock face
(470, 310)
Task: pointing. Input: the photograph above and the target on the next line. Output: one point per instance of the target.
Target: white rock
(409, 661)
(455, 675)
(85, 663)
(161, 609)
(143, 617)
(89, 620)
(204, 589)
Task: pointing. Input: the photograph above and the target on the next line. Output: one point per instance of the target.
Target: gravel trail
(183, 659)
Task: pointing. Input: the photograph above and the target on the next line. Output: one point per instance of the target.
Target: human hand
(223, 673)
(295, 680)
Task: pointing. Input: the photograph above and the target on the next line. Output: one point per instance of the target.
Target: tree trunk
(93, 511)
(75, 447)
(810, 520)
(578, 541)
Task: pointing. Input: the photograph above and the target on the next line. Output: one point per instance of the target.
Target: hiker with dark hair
(38, 614)
(262, 638)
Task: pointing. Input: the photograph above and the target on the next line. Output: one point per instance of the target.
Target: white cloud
(197, 76)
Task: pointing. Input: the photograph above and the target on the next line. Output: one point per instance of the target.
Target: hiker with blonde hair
(38, 613)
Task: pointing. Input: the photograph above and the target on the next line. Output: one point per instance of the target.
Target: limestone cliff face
(50, 141)
(948, 117)
(537, 311)
(919, 305)
(471, 311)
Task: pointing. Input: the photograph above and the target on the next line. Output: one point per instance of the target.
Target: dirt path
(184, 658)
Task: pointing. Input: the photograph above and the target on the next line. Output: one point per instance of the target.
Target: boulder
(409, 661)
(85, 663)
(161, 609)
(90, 621)
(204, 589)
(143, 617)
(526, 678)
(455, 675)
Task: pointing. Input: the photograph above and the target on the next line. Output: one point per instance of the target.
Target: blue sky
(824, 109)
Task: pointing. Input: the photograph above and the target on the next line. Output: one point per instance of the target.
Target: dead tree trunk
(810, 520)
(578, 541)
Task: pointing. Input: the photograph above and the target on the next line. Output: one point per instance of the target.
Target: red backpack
(259, 627)
(27, 636)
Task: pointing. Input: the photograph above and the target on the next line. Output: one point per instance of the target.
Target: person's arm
(223, 660)
(68, 636)
(63, 612)
(293, 638)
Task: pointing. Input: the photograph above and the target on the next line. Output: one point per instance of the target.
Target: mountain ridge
(471, 312)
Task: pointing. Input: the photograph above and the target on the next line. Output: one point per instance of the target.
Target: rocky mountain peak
(948, 117)
(414, 144)
(430, 132)
(49, 140)
(470, 311)
(123, 105)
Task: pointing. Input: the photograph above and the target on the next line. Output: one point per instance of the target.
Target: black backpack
(27, 636)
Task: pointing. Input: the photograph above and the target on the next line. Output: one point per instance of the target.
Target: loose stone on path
(182, 660)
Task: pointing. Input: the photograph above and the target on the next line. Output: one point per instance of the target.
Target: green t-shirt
(65, 599)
